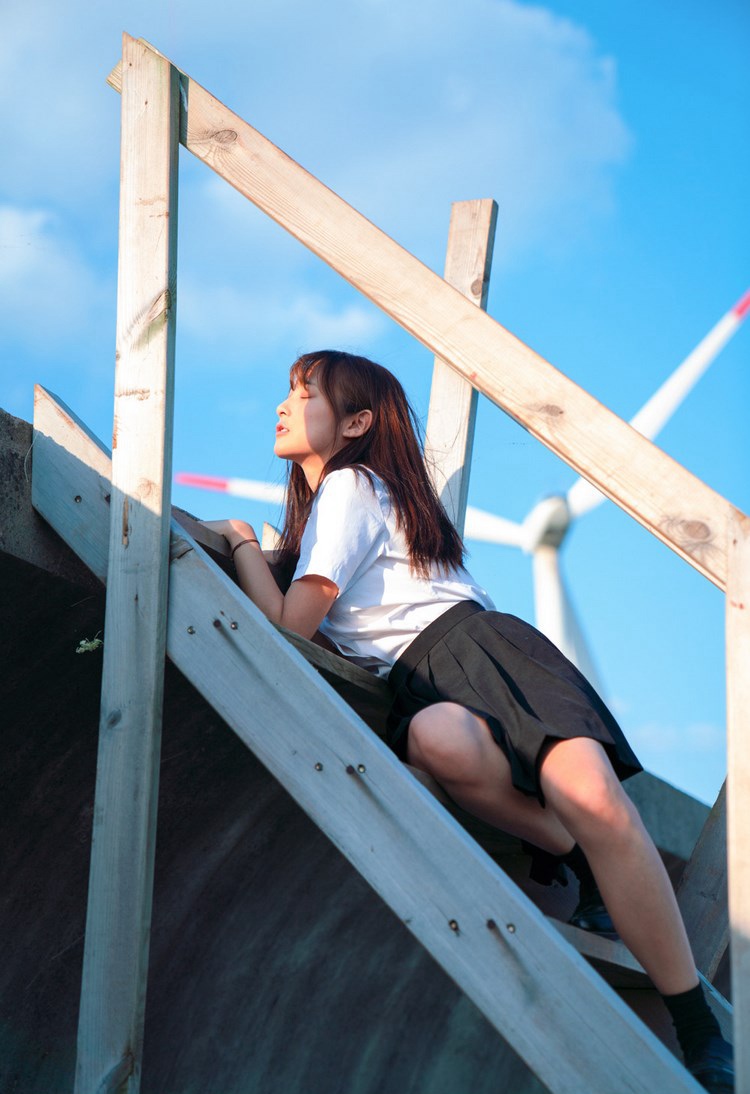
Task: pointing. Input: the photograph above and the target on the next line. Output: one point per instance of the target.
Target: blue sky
(614, 138)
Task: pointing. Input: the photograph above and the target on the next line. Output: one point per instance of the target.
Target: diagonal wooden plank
(118, 923)
(738, 787)
(449, 436)
(557, 1014)
(702, 892)
(673, 504)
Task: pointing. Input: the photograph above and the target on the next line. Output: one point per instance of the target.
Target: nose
(281, 408)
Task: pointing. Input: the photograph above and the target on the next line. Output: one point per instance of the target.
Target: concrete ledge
(23, 534)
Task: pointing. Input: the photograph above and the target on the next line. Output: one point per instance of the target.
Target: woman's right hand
(234, 531)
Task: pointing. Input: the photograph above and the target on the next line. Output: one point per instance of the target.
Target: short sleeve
(345, 529)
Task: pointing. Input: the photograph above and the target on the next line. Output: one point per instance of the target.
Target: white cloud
(48, 293)
(402, 108)
(228, 317)
(56, 112)
(409, 107)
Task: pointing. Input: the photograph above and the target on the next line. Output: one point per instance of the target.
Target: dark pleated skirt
(508, 673)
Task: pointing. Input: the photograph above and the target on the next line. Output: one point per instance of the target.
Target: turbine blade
(654, 414)
(238, 488)
(488, 528)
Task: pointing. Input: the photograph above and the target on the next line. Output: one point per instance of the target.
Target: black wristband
(242, 544)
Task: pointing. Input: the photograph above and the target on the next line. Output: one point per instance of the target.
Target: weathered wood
(616, 964)
(494, 943)
(668, 500)
(702, 892)
(449, 436)
(611, 959)
(738, 787)
(110, 1030)
(23, 534)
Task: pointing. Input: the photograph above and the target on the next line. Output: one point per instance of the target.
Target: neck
(313, 472)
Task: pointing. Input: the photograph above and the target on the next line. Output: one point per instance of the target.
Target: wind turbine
(544, 529)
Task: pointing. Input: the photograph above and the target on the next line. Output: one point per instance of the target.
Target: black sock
(545, 868)
(692, 1017)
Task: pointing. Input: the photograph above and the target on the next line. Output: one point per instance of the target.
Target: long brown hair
(390, 448)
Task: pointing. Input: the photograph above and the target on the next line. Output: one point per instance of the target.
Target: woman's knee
(444, 740)
(589, 796)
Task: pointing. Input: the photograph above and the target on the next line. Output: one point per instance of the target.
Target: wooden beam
(449, 436)
(738, 788)
(538, 993)
(110, 1030)
(673, 504)
(22, 534)
(702, 892)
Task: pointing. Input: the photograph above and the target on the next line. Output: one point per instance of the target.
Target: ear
(356, 425)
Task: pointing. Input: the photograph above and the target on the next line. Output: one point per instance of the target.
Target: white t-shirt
(351, 539)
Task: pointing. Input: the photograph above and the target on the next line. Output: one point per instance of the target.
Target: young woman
(483, 702)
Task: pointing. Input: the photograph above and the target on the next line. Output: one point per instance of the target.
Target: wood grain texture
(449, 436)
(668, 500)
(110, 1030)
(540, 995)
(702, 892)
(738, 787)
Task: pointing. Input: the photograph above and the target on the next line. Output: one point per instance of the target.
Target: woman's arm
(304, 606)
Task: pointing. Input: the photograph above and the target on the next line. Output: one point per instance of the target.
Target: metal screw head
(511, 928)
(77, 499)
(233, 625)
(453, 924)
(319, 767)
(361, 768)
(191, 630)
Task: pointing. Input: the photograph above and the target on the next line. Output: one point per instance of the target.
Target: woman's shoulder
(355, 486)
(353, 479)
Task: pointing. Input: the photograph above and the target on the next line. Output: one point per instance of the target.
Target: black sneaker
(591, 915)
(712, 1064)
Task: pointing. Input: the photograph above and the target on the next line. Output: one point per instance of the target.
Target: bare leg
(457, 748)
(583, 790)
(585, 804)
